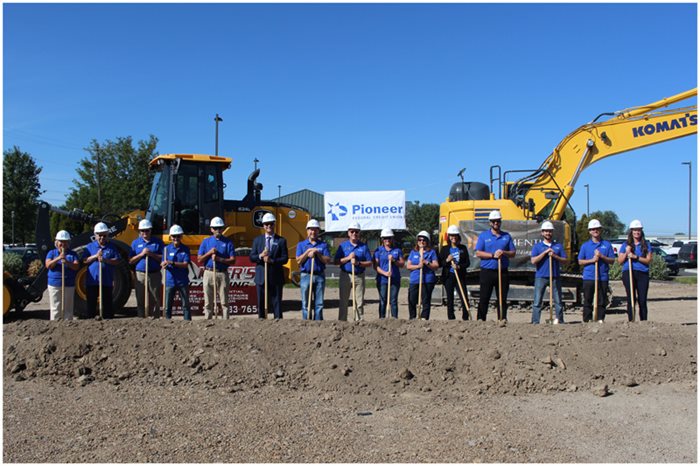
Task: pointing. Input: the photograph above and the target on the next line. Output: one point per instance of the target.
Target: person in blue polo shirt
(540, 257)
(381, 264)
(601, 251)
(421, 257)
(176, 259)
(352, 251)
(216, 249)
(100, 254)
(147, 248)
(638, 249)
(312, 247)
(56, 259)
(492, 245)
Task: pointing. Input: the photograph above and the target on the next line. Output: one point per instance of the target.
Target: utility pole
(99, 190)
(690, 195)
(217, 119)
(588, 200)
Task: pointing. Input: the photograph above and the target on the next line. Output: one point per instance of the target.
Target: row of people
(494, 248)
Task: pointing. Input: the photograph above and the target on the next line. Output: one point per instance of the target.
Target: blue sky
(355, 97)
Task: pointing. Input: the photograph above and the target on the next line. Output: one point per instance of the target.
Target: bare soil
(243, 390)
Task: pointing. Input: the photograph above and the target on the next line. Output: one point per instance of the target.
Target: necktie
(268, 240)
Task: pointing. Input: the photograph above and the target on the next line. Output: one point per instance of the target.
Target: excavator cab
(188, 190)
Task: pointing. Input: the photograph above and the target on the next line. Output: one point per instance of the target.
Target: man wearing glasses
(269, 248)
(216, 253)
(100, 254)
(601, 251)
(493, 245)
(147, 248)
(176, 259)
(352, 251)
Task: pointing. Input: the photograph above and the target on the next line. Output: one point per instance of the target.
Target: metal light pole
(13, 227)
(256, 161)
(588, 200)
(279, 191)
(217, 119)
(690, 195)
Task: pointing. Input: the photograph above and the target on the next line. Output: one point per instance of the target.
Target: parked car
(688, 256)
(671, 260)
(676, 246)
(616, 243)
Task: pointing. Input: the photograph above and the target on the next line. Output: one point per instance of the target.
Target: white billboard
(373, 210)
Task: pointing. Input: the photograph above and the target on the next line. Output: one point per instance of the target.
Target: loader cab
(188, 190)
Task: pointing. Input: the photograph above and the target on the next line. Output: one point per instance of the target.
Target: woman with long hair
(422, 262)
(637, 251)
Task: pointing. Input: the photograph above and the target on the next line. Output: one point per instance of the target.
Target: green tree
(612, 226)
(422, 217)
(21, 190)
(113, 179)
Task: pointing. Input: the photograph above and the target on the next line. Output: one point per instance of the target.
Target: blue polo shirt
(428, 273)
(543, 265)
(54, 274)
(381, 255)
(588, 252)
(319, 266)
(224, 249)
(361, 253)
(636, 265)
(93, 270)
(488, 242)
(176, 276)
(455, 253)
(154, 245)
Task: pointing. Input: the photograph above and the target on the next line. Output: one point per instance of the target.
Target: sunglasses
(594, 229)
(422, 240)
(216, 228)
(102, 235)
(353, 231)
(176, 236)
(495, 221)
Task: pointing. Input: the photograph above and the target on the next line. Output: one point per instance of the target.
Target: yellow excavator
(545, 193)
(187, 190)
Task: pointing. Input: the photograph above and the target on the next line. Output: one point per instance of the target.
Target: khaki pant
(222, 292)
(345, 289)
(155, 296)
(55, 302)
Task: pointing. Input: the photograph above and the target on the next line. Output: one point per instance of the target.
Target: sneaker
(600, 321)
(556, 322)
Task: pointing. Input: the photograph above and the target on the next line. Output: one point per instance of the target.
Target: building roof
(309, 200)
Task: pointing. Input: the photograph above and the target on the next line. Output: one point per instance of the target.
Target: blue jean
(540, 285)
(170, 292)
(319, 285)
(393, 299)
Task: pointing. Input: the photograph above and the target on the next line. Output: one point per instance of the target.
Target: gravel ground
(132, 390)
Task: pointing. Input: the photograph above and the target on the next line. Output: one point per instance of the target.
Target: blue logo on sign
(337, 211)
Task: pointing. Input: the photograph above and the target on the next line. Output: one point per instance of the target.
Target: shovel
(148, 292)
(165, 255)
(595, 294)
(63, 287)
(420, 288)
(551, 303)
(309, 313)
(461, 290)
(354, 303)
(266, 307)
(629, 263)
(99, 290)
(388, 289)
(500, 291)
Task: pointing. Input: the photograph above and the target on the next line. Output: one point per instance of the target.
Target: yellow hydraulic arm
(627, 130)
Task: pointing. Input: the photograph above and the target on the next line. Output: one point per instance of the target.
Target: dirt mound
(378, 358)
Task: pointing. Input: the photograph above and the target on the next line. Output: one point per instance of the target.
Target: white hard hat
(101, 228)
(424, 234)
(176, 230)
(145, 224)
(354, 226)
(313, 223)
(216, 222)
(452, 230)
(635, 224)
(63, 235)
(268, 218)
(547, 225)
(594, 224)
(495, 215)
(387, 233)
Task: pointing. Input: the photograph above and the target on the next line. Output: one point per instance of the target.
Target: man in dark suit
(271, 248)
